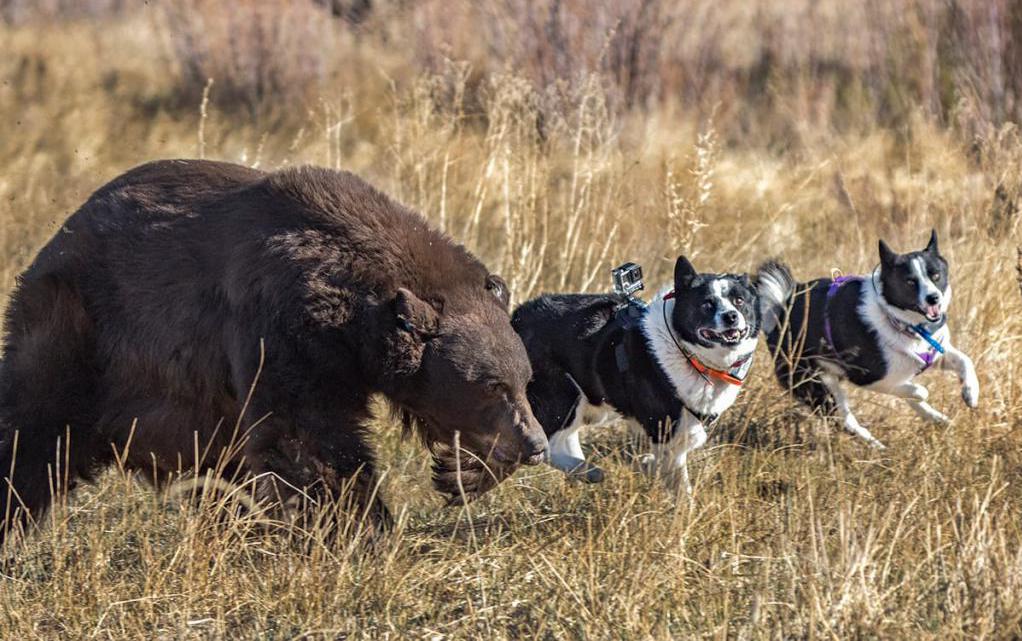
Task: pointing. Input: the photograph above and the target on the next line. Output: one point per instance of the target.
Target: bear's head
(455, 367)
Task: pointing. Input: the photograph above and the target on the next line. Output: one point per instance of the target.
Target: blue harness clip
(928, 337)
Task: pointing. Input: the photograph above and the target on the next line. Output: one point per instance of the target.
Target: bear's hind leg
(48, 383)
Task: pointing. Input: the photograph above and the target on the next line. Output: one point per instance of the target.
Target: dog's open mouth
(932, 313)
(726, 337)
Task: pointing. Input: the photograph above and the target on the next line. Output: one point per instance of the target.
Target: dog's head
(713, 310)
(916, 283)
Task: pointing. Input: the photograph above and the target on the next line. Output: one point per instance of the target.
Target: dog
(877, 331)
(669, 368)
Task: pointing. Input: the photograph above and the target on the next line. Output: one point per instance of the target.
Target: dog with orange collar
(671, 368)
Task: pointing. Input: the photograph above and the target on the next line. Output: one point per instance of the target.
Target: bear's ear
(496, 286)
(684, 272)
(414, 315)
(931, 247)
(415, 323)
(887, 255)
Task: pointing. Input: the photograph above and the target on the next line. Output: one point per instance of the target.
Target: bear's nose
(731, 318)
(534, 447)
(932, 298)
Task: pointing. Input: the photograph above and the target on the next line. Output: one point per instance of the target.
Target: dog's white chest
(708, 397)
(906, 357)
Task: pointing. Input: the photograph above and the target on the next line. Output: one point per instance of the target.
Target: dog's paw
(645, 463)
(970, 394)
(938, 418)
(577, 469)
(587, 474)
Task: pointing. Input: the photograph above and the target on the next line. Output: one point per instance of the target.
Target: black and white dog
(670, 368)
(877, 331)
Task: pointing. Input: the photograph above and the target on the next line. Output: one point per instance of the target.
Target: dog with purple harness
(877, 331)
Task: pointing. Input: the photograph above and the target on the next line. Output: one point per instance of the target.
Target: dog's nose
(731, 318)
(932, 299)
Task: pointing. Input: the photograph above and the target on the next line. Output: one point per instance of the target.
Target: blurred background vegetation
(557, 138)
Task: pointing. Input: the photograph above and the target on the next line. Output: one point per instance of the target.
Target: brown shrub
(259, 53)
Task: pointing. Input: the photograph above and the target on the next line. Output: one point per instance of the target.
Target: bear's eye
(496, 286)
(499, 388)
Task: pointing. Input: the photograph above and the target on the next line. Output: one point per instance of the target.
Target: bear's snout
(534, 442)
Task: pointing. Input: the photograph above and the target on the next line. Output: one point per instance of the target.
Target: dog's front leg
(957, 361)
(915, 395)
(851, 423)
(672, 456)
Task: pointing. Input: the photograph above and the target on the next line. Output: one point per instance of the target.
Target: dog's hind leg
(566, 451)
(851, 424)
(559, 406)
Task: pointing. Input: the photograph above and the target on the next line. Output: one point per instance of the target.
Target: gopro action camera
(627, 279)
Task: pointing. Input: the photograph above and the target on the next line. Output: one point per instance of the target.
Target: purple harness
(929, 357)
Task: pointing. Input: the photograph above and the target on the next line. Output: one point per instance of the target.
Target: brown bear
(185, 294)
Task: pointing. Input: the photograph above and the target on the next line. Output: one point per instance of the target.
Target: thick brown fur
(139, 327)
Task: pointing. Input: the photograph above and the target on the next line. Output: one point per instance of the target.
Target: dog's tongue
(933, 311)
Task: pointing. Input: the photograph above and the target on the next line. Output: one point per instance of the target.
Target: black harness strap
(627, 317)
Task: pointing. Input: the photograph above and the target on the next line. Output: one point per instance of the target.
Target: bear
(198, 317)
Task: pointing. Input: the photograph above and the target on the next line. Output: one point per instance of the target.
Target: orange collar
(731, 376)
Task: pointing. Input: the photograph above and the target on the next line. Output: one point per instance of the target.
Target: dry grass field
(556, 143)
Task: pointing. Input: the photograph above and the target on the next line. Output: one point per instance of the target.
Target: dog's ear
(684, 272)
(931, 247)
(887, 255)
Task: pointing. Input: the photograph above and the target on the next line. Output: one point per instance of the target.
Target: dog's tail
(775, 286)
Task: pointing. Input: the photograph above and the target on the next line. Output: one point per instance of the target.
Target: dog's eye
(935, 277)
(739, 301)
(709, 306)
(912, 281)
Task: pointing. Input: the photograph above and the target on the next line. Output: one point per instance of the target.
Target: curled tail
(775, 286)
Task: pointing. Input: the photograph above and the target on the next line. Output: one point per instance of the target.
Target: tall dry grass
(796, 530)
